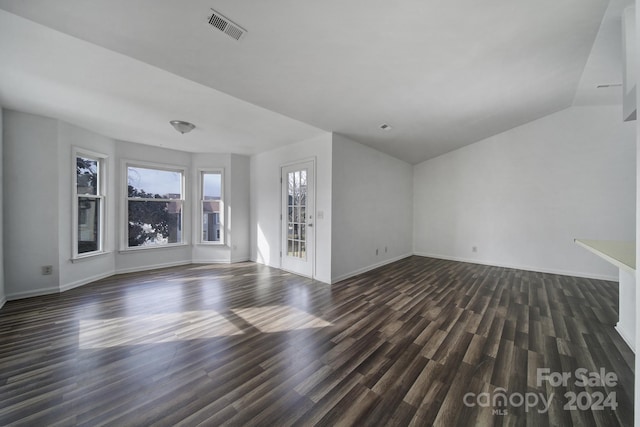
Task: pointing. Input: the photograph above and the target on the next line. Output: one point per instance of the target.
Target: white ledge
(620, 253)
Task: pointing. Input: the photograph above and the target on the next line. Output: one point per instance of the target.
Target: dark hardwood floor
(418, 342)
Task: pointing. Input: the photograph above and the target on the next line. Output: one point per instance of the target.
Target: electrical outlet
(47, 270)
(474, 249)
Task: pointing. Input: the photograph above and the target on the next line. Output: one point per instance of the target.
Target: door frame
(283, 213)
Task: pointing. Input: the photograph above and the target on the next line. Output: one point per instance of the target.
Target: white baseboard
(90, 279)
(220, 261)
(152, 267)
(520, 267)
(85, 281)
(368, 268)
(32, 293)
(211, 261)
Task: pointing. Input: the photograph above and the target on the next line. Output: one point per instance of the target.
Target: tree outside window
(154, 206)
(89, 201)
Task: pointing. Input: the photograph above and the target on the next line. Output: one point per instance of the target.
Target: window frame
(101, 195)
(201, 200)
(126, 163)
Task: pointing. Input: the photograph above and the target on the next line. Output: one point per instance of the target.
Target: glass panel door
(297, 218)
(296, 213)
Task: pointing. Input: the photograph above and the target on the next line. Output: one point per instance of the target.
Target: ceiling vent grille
(230, 28)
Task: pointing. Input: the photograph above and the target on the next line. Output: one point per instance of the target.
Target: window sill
(211, 244)
(86, 257)
(148, 248)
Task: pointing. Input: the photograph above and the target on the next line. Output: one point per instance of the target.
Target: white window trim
(103, 173)
(223, 204)
(124, 214)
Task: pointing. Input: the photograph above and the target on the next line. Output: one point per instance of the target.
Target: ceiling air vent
(225, 25)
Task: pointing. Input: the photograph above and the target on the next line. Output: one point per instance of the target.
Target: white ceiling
(444, 74)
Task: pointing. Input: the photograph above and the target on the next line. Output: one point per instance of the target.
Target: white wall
(636, 123)
(239, 208)
(37, 200)
(265, 202)
(145, 259)
(522, 196)
(236, 206)
(30, 223)
(372, 202)
(3, 297)
(86, 270)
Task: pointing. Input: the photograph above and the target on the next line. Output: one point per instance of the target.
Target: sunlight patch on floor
(154, 328)
(279, 318)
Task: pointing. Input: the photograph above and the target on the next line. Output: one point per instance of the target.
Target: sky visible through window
(154, 181)
(164, 182)
(211, 183)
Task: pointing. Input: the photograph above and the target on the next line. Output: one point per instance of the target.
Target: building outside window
(211, 207)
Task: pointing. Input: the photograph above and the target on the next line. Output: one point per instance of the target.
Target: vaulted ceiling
(443, 74)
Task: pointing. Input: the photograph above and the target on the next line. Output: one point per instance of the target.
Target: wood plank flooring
(418, 342)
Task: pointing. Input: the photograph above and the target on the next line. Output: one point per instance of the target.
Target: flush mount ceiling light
(385, 126)
(182, 126)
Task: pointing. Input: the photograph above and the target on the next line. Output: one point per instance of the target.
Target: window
(155, 199)
(89, 203)
(211, 207)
